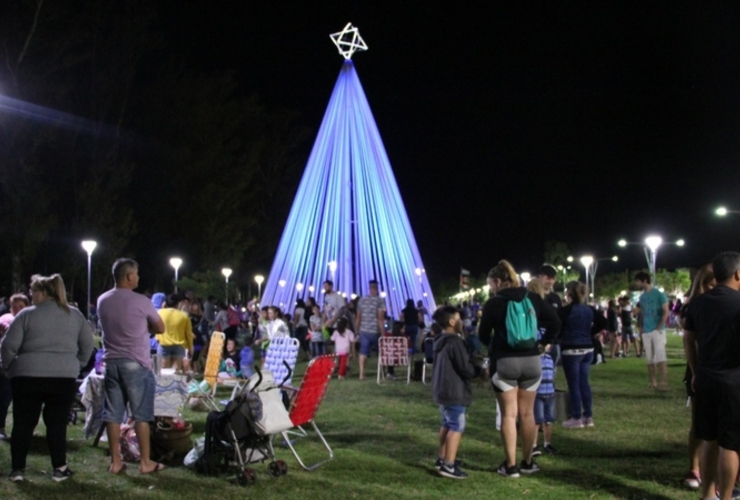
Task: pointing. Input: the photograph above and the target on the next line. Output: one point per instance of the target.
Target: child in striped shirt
(544, 404)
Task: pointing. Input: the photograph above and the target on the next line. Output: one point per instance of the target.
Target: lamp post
(650, 246)
(259, 279)
(525, 277)
(594, 268)
(587, 260)
(333, 269)
(89, 247)
(176, 262)
(226, 271)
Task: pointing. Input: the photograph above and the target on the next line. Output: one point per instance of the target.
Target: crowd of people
(529, 331)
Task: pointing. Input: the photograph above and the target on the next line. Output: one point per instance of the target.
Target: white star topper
(348, 41)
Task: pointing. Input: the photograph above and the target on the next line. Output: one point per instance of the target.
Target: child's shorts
(453, 417)
(544, 409)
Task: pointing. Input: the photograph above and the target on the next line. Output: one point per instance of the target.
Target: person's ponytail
(505, 272)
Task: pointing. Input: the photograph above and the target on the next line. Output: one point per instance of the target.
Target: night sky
(518, 122)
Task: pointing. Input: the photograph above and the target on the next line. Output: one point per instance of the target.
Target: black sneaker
(440, 462)
(529, 468)
(62, 475)
(536, 451)
(550, 449)
(453, 472)
(505, 471)
(17, 476)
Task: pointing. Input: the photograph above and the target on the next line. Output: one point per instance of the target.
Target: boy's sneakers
(61, 475)
(536, 451)
(441, 461)
(529, 468)
(588, 422)
(573, 423)
(692, 480)
(452, 472)
(550, 449)
(505, 471)
(16, 476)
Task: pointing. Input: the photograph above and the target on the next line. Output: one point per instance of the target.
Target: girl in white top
(344, 345)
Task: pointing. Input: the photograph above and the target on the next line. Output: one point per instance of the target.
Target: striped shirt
(547, 385)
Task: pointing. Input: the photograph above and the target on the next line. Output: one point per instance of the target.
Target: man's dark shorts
(717, 411)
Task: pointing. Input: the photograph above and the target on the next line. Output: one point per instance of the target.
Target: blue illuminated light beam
(348, 209)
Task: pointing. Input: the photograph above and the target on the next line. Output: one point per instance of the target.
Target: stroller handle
(287, 377)
(259, 377)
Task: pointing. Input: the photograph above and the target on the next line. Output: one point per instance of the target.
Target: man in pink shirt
(126, 318)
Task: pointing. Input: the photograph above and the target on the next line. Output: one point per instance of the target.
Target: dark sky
(511, 123)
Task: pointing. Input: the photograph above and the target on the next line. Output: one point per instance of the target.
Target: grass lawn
(385, 439)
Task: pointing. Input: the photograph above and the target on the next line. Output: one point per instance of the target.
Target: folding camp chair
(393, 351)
(428, 350)
(282, 350)
(306, 401)
(213, 361)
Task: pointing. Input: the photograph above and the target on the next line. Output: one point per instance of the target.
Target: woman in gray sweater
(42, 353)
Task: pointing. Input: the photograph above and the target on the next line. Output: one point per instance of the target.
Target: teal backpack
(521, 324)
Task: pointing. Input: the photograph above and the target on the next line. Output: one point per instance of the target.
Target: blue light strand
(348, 209)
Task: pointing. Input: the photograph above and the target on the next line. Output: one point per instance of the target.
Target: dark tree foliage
(130, 147)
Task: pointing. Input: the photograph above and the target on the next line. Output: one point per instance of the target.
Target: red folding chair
(307, 400)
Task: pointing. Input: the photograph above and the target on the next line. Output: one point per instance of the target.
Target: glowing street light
(259, 279)
(650, 246)
(525, 277)
(587, 260)
(89, 247)
(226, 271)
(333, 268)
(176, 262)
(723, 211)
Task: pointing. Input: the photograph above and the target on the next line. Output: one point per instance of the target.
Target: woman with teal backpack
(509, 324)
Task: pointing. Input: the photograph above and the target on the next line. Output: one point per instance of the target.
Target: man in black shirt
(712, 343)
(548, 277)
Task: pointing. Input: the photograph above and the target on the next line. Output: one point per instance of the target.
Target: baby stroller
(243, 431)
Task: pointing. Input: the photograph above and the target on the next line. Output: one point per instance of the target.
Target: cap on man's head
(548, 270)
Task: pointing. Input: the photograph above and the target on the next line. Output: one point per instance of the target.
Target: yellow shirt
(178, 329)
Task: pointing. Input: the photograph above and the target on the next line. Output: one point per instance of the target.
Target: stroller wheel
(282, 466)
(245, 477)
(274, 469)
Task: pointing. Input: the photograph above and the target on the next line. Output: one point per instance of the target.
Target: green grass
(385, 439)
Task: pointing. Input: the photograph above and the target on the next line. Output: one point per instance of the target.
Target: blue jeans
(318, 348)
(453, 417)
(412, 331)
(128, 383)
(576, 368)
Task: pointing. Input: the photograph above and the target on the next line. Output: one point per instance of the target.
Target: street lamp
(176, 262)
(650, 246)
(259, 279)
(226, 271)
(587, 260)
(332, 268)
(525, 277)
(89, 247)
(722, 211)
(594, 268)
